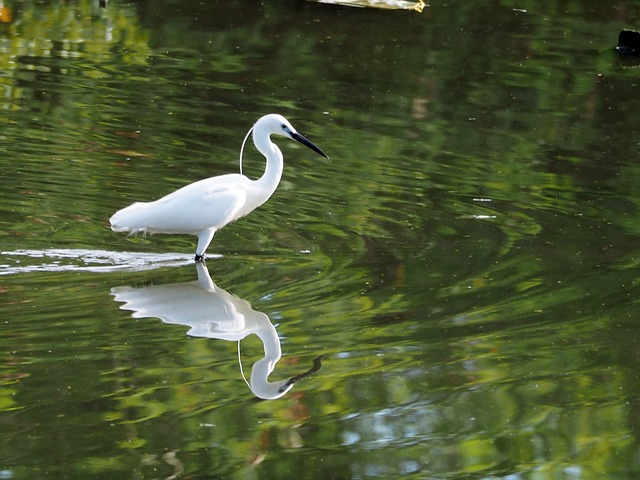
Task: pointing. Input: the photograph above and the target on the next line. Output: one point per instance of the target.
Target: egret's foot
(200, 258)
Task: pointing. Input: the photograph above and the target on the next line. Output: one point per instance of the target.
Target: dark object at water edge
(628, 43)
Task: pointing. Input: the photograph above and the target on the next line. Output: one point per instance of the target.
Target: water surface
(466, 262)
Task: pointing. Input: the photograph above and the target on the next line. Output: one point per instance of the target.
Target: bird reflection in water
(214, 313)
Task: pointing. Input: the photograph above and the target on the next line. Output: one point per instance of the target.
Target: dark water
(466, 263)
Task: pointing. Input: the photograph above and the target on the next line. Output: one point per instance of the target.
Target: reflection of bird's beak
(299, 138)
(317, 364)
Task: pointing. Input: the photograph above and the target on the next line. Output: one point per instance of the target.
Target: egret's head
(278, 125)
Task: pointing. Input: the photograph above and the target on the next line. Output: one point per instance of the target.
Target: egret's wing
(209, 203)
(212, 208)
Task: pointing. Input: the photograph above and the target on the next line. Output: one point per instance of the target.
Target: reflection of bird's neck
(270, 342)
(275, 163)
(260, 371)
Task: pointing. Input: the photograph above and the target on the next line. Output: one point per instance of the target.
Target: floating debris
(382, 4)
(629, 43)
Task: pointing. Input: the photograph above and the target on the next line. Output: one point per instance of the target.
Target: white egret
(204, 207)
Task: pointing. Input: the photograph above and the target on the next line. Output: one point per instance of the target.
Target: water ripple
(85, 260)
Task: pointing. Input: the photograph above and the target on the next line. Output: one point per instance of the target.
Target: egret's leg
(204, 239)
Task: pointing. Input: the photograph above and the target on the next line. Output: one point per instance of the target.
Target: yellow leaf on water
(129, 153)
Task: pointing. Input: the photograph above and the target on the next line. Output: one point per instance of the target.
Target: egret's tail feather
(132, 219)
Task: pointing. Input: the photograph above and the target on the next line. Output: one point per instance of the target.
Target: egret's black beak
(299, 138)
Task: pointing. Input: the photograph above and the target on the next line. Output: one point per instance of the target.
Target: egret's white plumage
(204, 207)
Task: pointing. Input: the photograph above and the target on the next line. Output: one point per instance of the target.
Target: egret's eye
(283, 126)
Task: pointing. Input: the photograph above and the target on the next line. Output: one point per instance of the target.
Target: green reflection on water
(467, 259)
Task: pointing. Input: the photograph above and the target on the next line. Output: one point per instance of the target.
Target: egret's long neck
(275, 163)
